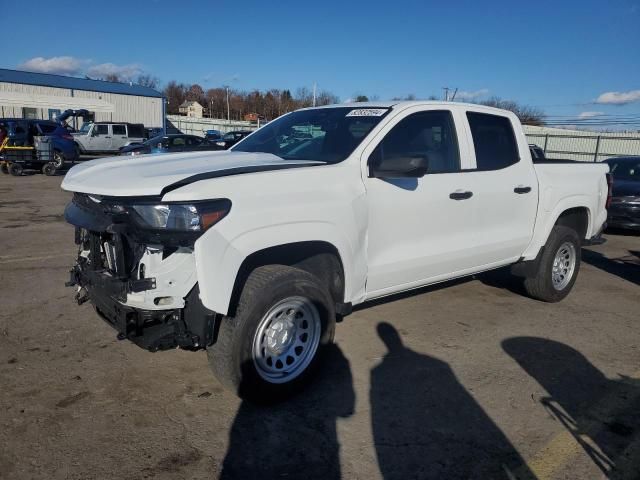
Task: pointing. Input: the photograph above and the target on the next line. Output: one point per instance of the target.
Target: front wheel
(558, 267)
(270, 347)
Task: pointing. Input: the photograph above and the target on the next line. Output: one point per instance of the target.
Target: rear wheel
(15, 169)
(558, 267)
(49, 169)
(58, 159)
(284, 319)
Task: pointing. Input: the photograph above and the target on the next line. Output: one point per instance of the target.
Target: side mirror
(398, 167)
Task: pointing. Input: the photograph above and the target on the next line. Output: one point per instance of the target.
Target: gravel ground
(466, 380)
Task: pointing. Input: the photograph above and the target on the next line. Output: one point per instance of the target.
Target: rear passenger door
(505, 187)
(119, 137)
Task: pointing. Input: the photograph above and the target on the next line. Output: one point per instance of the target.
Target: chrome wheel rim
(564, 264)
(58, 159)
(286, 339)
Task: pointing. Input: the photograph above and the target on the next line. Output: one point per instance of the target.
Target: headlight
(184, 217)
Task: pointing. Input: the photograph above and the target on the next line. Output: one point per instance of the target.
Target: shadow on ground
(626, 267)
(602, 415)
(425, 425)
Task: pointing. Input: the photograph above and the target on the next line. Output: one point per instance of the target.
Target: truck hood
(127, 176)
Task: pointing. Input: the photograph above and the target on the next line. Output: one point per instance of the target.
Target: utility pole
(228, 111)
(314, 94)
(446, 93)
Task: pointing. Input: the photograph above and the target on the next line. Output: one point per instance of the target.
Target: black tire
(49, 169)
(15, 169)
(231, 358)
(541, 285)
(58, 159)
(5, 169)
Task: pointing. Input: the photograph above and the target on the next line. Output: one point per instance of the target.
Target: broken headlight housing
(180, 217)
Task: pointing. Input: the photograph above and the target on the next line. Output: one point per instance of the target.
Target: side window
(178, 141)
(101, 129)
(119, 130)
(192, 141)
(429, 134)
(493, 140)
(46, 128)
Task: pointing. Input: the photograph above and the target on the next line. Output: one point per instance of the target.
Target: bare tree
(528, 115)
(147, 80)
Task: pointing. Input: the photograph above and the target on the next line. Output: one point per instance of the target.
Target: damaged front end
(136, 266)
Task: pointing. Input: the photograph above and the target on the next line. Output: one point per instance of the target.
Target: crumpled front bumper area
(114, 271)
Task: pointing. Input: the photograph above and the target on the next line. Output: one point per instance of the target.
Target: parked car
(21, 132)
(624, 211)
(169, 144)
(108, 137)
(231, 138)
(213, 135)
(537, 153)
(255, 256)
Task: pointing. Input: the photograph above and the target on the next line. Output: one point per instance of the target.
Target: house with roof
(191, 109)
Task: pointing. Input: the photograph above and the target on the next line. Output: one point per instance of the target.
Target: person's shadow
(297, 438)
(603, 415)
(426, 425)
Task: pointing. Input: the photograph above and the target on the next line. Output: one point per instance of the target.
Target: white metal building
(44, 96)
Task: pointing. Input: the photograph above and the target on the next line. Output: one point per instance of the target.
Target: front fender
(218, 259)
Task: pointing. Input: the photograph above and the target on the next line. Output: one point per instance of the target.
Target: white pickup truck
(254, 253)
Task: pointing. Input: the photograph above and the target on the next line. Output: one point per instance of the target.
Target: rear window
(47, 128)
(493, 140)
(136, 131)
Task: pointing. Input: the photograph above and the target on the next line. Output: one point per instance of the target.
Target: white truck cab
(255, 252)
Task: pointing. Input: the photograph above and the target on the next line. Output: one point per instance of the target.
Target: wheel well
(577, 219)
(320, 259)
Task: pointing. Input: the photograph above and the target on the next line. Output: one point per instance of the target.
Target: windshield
(628, 168)
(85, 127)
(324, 134)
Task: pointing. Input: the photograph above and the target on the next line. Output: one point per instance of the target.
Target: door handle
(460, 195)
(521, 189)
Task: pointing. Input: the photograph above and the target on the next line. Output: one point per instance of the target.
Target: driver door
(100, 138)
(420, 229)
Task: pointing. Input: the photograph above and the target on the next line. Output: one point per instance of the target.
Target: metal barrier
(198, 126)
(585, 148)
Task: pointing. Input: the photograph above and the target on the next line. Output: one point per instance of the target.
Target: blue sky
(560, 56)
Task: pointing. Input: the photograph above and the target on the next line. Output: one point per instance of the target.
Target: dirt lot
(469, 380)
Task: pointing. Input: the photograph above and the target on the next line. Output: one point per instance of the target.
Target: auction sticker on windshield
(367, 112)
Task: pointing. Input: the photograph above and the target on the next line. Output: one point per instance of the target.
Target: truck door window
(101, 130)
(431, 134)
(119, 130)
(493, 140)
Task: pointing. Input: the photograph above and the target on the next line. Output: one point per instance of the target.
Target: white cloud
(56, 65)
(473, 95)
(72, 66)
(619, 98)
(590, 114)
(123, 72)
